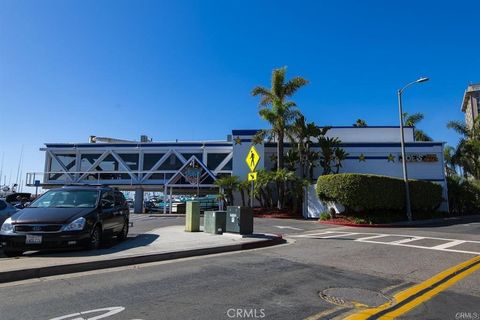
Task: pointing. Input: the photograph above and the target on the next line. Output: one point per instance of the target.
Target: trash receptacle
(239, 220)
(214, 222)
(192, 219)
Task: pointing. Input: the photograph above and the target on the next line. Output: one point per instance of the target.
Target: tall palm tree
(411, 120)
(301, 134)
(276, 109)
(449, 158)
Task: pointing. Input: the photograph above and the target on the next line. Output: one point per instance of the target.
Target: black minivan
(70, 216)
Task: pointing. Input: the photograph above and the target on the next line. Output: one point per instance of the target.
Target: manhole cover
(354, 297)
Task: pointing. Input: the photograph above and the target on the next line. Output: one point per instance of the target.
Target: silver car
(6, 210)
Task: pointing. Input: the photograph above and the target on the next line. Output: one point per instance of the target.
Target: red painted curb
(363, 225)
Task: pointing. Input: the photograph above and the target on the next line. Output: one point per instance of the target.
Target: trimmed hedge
(377, 194)
(463, 196)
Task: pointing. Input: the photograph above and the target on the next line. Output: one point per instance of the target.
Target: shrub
(325, 216)
(463, 196)
(377, 194)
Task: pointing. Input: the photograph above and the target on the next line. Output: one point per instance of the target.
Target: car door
(108, 211)
(119, 213)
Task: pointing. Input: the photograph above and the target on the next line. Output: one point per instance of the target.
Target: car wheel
(12, 253)
(95, 238)
(124, 233)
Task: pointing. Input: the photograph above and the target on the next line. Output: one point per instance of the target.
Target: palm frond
(278, 80)
(413, 119)
(458, 126)
(293, 85)
(422, 136)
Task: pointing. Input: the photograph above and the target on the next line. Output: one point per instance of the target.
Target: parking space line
(449, 244)
(408, 240)
(376, 238)
(365, 239)
(340, 235)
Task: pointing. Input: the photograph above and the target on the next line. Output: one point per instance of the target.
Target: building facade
(471, 104)
(193, 167)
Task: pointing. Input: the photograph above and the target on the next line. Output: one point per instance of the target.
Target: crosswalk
(412, 241)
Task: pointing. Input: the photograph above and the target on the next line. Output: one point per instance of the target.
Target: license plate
(32, 239)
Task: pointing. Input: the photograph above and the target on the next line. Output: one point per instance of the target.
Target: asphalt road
(280, 282)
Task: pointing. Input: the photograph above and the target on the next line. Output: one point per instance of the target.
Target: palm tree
(449, 158)
(300, 134)
(467, 153)
(276, 109)
(227, 185)
(282, 176)
(244, 187)
(411, 120)
(360, 123)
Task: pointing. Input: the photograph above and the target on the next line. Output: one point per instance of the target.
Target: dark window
(214, 159)
(108, 200)
(130, 159)
(150, 159)
(119, 199)
(3, 205)
(187, 156)
(172, 163)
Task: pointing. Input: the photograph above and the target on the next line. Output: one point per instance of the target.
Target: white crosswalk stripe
(449, 245)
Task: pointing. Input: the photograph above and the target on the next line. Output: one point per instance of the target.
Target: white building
(180, 167)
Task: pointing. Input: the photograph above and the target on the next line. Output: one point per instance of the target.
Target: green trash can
(214, 222)
(192, 219)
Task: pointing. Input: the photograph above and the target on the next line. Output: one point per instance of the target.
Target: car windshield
(67, 199)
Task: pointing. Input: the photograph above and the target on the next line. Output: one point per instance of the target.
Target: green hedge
(377, 194)
(463, 196)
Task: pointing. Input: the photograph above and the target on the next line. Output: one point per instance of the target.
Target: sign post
(252, 162)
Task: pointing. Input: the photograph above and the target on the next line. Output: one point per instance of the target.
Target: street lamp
(402, 143)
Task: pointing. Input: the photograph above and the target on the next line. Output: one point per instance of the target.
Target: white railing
(97, 177)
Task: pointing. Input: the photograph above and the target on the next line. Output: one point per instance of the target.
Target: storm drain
(354, 297)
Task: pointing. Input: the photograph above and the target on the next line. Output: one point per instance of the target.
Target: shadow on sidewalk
(109, 247)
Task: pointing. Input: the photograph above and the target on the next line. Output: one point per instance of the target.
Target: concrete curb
(25, 274)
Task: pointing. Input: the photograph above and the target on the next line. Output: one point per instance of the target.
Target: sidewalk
(157, 245)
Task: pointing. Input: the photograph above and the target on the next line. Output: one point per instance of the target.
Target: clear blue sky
(185, 69)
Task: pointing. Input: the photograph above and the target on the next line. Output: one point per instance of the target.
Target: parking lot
(324, 272)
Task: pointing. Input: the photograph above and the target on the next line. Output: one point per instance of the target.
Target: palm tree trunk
(280, 164)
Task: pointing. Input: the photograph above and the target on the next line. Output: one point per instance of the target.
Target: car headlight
(76, 225)
(7, 226)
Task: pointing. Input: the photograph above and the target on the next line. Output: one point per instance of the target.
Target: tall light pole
(402, 144)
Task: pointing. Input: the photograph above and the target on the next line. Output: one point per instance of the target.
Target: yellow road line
(430, 288)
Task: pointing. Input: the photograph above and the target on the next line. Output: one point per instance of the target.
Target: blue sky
(185, 69)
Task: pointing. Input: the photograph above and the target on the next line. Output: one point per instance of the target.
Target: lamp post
(402, 144)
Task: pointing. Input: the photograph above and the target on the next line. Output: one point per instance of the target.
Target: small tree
(360, 123)
(227, 186)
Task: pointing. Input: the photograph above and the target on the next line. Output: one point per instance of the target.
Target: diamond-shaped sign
(252, 158)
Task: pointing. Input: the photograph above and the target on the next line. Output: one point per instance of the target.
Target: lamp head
(422, 79)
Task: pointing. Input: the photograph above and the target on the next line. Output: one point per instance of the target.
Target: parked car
(6, 210)
(65, 217)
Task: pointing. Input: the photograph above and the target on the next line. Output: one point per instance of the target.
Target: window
(119, 199)
(67, 199)
(108, 200)
(3, 205)
(214, 159)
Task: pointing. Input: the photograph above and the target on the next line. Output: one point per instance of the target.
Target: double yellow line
(412, 297)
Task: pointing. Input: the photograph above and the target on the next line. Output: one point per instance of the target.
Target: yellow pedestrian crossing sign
(252, 176)
(252, 158)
